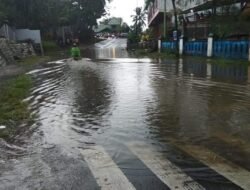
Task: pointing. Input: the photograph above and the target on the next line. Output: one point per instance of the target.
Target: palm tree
(139, 20)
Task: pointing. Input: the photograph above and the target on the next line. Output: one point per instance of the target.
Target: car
(124, 35)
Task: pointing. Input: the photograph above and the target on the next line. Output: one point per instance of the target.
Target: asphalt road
(111, 121)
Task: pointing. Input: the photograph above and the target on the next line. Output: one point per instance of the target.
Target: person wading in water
(75, 52)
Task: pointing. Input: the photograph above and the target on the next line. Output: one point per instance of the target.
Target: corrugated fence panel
(168, 45)
(196, 48)
(231, 49)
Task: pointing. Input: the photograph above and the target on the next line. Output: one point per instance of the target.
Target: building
(112, 25)
(198, 18)
(210, 16)
(156, 16)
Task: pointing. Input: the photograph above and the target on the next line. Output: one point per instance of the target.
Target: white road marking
(106, 172)
(107, 43)
(2, 127)
(169, 173)
(231, 171)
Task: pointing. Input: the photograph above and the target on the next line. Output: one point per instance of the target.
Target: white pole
(181, 45)
(210, 45)
(159, 46)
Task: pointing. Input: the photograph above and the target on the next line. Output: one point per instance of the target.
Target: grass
(170, 55)
(34, 59)
(154, 55)
(49, 46)
(227, 62)
(13, 111)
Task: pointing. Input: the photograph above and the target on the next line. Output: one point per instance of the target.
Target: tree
(125, 28)
(51, 14)
(139, 20)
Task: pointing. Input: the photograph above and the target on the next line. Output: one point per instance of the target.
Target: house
(198, 18)
(102, 28)
(156, 16)
(111, 25)
(209, 16)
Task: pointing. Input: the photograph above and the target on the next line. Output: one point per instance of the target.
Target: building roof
(115, 21)
(102, 28)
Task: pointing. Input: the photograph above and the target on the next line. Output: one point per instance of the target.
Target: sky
(124, 9)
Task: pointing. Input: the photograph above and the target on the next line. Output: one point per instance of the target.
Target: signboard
(175, 35)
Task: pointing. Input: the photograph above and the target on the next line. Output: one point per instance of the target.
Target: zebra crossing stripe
(231, 171)
(105, 171)
(165, 170)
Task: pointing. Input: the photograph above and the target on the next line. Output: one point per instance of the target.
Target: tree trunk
(165, 20)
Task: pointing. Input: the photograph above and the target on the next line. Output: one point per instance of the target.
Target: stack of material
(22, 50)
(6, 51)
(10, 51)
(2, 61)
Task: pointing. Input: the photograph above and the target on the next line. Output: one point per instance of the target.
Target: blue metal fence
(196, 48)
(168, 45)
(231, 49)
(225, 48)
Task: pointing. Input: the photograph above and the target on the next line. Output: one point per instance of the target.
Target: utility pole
(165, 20)
(176, 26)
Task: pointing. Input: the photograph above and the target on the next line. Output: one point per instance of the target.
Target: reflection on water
(105, 53)
(215, 71)
(127, 99)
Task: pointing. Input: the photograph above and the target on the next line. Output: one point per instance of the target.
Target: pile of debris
(11, 51)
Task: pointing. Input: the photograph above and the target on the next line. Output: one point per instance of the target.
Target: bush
(50, 46)
(133, 38)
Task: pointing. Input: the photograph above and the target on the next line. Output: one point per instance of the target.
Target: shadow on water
(92, 103)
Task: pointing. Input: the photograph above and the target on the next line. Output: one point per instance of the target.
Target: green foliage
(133, 37)
(138, 20)
(154, 55)
(13, 111)
(47, 15)
(224, 26)
(228, 62)
(50, 46)
(29, 61)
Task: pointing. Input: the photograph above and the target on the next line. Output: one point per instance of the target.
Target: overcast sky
(124, 9)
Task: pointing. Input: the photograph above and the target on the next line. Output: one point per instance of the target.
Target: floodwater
(113, 121)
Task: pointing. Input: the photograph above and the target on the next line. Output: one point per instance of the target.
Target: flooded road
(111, 121)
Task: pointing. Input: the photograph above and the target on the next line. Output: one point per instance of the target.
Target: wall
(24, 34)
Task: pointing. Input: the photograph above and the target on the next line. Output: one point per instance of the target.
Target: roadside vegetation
(146, 53)
(50, 16)
(13, 111)
(140, 53)
(227, 62)
(30, 61)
